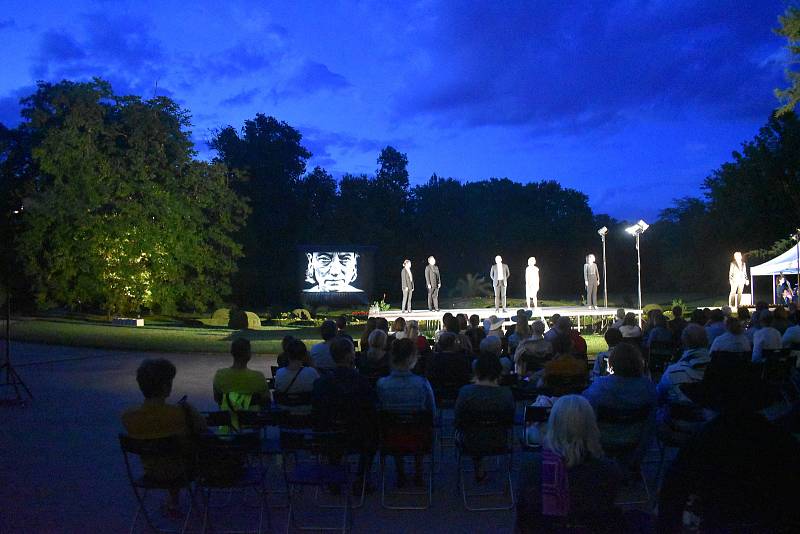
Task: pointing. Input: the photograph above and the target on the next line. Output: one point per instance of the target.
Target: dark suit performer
(499, 274)
(434, 281)
(591, 279)
(407, 280)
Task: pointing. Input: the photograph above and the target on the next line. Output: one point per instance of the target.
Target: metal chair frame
(637, 416)
(390, 423)
(497, 451)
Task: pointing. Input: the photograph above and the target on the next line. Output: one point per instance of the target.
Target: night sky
(633, 103)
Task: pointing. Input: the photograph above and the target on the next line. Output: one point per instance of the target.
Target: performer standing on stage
(407, 280)
(531, 283)
(737, 277)
(591, 279)
(434, 282)
(499, 275)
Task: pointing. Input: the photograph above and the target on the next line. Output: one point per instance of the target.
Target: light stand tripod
(10, 377)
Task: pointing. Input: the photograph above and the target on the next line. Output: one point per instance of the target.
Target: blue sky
(634, 103)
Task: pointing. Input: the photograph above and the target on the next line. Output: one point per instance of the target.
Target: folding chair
(660, 355)
(171, 451)
(222, 465)
(685, 420)
(314, 472)
(486, 436)
(623, 432)
(402, 435)
(534, 415)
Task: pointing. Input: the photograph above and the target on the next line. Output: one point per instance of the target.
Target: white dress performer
(531, 283)
(499, 274)
(737, 277)
(407, 281)
(591, 279)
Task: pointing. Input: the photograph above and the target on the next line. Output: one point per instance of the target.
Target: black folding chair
(623, 432)
(171, 451)
(486, 436)
(534, 415)
(660, 354)
(222, 466)
(402, 435)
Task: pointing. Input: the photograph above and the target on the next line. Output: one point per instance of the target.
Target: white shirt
(765, 338)
(500, 274)
(630, 331)
(728, 342)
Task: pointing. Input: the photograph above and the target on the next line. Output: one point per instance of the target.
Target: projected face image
(332, 272)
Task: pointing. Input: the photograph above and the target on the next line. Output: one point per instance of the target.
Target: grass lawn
(160, 337)
(170, 337)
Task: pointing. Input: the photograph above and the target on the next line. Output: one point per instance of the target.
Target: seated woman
(483, 398)
(373, 362)
(629, 328)
(156, 418)
(398, 328)
(403, 391)
(294, 383)
(238, 388)
(570, 480)
(412, 333)
(533, 353)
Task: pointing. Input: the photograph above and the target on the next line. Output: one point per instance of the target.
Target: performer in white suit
(737, 277)
(532, 283)
(591, 279)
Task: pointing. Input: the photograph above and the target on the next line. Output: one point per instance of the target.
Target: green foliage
(763, 254)
(650, 307)
(243, 320)
(381, 305)
(790, 29)
(220, 317)
(120, 216)
(302, 314)
(681, 304)
(472, 285)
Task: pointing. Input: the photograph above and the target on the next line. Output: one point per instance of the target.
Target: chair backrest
(622, 429)
(536, 414)
(635, 341)
(292, 399)
(220, 418)
(165, 447)
(403, 433)
(486, 434)
(778, 365)
(172, 451)
(313, 441)
(726, 355)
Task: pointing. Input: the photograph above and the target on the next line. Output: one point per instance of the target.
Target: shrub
(220, 317)
(243, 320)
(649, 307)
(301, 314)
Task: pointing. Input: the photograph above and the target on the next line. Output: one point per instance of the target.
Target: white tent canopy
(785, 263)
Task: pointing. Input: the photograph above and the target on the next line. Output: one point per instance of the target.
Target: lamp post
(602, 232)
(637, 230)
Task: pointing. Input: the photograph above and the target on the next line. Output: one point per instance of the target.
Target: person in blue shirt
(403, 391)
(716, 325)
(625, 387)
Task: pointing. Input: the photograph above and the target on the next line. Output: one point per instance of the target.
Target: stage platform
(577, 313)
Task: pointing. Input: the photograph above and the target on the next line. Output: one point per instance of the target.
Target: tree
(121, 217)
(790, 28)
(271, 160)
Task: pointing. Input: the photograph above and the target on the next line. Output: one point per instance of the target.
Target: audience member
(659, 333)
(780, 319)
(716, 325)
(449, 368)
(494, 345)
(374, 361)
(619, 318)
(463, 323)
(766, 338)
(372, 323)
(237, 387)
(629, 328)
(613, 338)
(577, 343)
(341, 327)
(698, 317)
(743, 314)
(689, 368)
(344, 400)
(677, 323)
(321, 352)
(553, 332)
(283, 358)
(403, 391)
(733, 340)
(412, 333)
(156, 418)
(475, 332)
(571, 482)
(399, 328)
(295, 379)
(521, 330)
(493, 326)
(481, 399)
(740, 469)
(533, 353)
(625, 387)
(791, 338)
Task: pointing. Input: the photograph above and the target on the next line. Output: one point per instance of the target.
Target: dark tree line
(115, 212)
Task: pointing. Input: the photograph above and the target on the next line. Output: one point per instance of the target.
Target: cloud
(578, 65)
(6, 24)
(312, 77)
(240, 99)
(236, 61)
(326, 146)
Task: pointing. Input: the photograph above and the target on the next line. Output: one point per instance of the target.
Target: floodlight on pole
(602, 233)
(637, 230)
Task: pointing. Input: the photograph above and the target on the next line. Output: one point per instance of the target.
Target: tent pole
(774, 302)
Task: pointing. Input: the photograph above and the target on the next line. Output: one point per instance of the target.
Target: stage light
(602, 233)
(637, 230)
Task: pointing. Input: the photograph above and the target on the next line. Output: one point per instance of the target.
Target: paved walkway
(61, 469)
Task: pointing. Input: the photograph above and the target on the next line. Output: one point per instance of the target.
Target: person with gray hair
(572, 477)
(766, 337)
(494, 345)
(533, 353)
(733, 340)
(689, 368)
